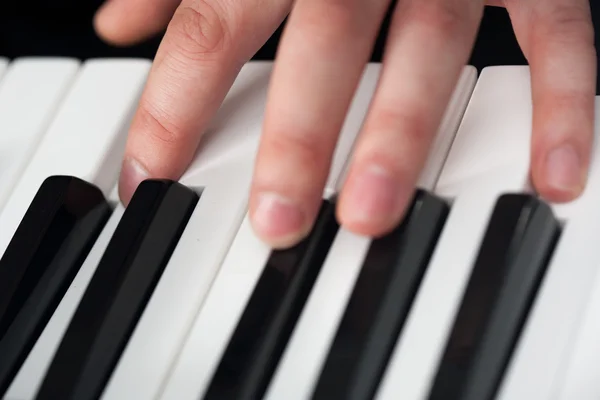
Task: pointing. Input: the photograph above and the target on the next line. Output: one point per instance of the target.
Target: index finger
(205, 45)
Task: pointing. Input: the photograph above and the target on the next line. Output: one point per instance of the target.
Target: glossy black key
(59, 205)
(272, 312)
(48, 248)
(507, 273)
(380, 302)
(123, 282)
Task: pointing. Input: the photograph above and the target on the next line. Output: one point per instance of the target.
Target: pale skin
(207, 42)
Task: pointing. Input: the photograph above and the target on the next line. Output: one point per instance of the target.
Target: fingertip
(127, 22)
(107, 24)
(132, 174)
(279, 221)
(562, 174)
(372, 201)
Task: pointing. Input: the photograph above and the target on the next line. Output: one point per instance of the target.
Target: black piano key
(119, 290)
(508, 271)
(271, 314)
(43, 257)
(59, 205)
(380, 302)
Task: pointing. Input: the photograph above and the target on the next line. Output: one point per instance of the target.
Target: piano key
(224, 166)
(380, 301)
(224, 306)
(60, 205)
(126, 275)
(46, 252)
(86, 138)
(556, 357)
(271, 313)
(48, 223)
(257, 283)
(511, 263)
(244, 262)
(30, 93)
(580, 379)
(489, 157)
(307, 348)
(27, 381)
(302, 361)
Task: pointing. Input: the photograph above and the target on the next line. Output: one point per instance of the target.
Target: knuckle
(415, 127)
(157, 127)
(444, 16)
(330, 22)
(304, 148)
(397, 140)
(200, 29)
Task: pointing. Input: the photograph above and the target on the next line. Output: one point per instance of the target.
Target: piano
(483, 292)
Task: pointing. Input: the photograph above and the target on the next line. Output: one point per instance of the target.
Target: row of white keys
(220, 167)
(87, 137)
(302, 361)
(33, 370)
(489, 157)
(239, 272)
(224, 167)
(87, 140)
(557, 358)
(31, 90)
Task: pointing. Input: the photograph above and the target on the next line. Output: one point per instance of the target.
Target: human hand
(207, 42)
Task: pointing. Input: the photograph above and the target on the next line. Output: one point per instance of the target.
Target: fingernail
(278, 220)
(374, 196)
(563, 168)
(132, 174)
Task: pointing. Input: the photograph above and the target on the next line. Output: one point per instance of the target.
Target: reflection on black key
(48, 248)
(271, 314)
(380, 302)
(509, 268)
(117, 294)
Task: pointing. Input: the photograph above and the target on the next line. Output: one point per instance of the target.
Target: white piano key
(180, 292)
(223, 167)
(250, 254)
(557, 355)
(489, 157)
(580, 379)
(229, 293)
(300, 365)
(33, 370)
(87, 136)
(496, 130)
(30, 93)
(306, 352)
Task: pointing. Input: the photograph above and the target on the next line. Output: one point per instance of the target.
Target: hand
(207, 41)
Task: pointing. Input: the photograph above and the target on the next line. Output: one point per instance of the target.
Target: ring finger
(428, 44)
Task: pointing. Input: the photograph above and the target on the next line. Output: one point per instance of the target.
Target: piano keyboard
(484, 291)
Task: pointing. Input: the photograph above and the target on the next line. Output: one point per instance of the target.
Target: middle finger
(322, 55)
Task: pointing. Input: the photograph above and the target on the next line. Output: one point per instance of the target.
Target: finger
(557, 37)
(205, 45)
(126, 22)
(306, 109)
(428, 44)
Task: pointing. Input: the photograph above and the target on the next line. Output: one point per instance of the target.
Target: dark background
(64, 28)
